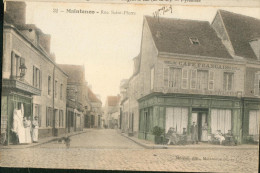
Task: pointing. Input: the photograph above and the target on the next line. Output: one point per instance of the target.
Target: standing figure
(35, 127)
(204, 136)
(171, 135)
(18, 127)
(194, 133)
(27, 125)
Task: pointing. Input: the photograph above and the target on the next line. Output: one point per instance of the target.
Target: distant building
(112, 111)
(193, 71)
(30, 76)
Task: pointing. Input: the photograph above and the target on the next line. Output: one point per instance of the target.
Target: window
(36, 77)
(193, 79)
(55, 88)
(211, 80)
(61, 90)
(152, 77)
(228, 81)
(61, 119)
(165, 76)
(16, 62)
(49, 116)
(37, 112)
(194, 41)
(176, 117)
(220, 120)
(49, 85)
(254, 122)
(257, 84)
(202, 80)
(184, 78)
(175, 77)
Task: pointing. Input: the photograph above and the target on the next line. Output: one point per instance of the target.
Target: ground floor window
(176, 117)
(61, 118)
(49, 117)
(220, 120)
(254, 122)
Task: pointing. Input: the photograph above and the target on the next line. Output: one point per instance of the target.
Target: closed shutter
(166, 76)
(211, 80)
(193, 81)
(256, 84)
(184, 78)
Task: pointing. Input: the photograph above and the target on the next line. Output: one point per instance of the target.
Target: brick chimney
(16, 10)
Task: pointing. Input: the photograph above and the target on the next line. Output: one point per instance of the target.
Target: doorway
(200, 117)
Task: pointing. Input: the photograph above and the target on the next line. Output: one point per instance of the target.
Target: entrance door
(201, 118)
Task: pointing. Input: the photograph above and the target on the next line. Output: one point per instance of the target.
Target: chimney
(16, 10)
(44, 40)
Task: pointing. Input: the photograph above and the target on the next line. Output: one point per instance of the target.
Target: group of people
(26, 130)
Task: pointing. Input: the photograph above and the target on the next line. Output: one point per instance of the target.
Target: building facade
(112, 111)
(194, 71)
(30, 76)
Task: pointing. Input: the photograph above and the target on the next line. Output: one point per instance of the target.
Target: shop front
(180, 111)
(15, 95)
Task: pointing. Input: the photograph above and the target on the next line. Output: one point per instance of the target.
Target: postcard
(131, 85)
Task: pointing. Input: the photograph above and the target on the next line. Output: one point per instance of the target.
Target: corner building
(194, 71)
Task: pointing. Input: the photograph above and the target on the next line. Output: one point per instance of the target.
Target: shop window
(49, 85)
(175, 77)
(36, 77)
(228, 81)
(184, 78)
(220, 120)
(254, 122)
(152, 77)
(257, 84)
(176, 117)
(202, 80)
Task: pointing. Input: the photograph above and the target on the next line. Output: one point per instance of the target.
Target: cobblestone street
(107, 149)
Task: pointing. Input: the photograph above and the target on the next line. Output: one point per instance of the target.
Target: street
(109, 150)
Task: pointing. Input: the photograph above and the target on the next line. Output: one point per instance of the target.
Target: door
(146, 125)
(200, 118)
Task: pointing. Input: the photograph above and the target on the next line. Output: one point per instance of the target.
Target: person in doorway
(194, 133)
(35, 127)
(204, 136)
(18, 127)
(27, 126)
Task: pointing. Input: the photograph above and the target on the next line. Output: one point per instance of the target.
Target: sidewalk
(41, 141)
(150, 145)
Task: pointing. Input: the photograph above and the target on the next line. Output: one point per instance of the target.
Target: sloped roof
(113, 100)
(92, 97)
(241, 29)
(175, 34)
(76, 73)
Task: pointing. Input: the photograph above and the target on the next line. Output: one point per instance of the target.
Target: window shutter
(40, 79)
(33, 76)
(47, 116)
(166, 76)
(184, 78)
(193, 79)
(256, 84)
(211, 80)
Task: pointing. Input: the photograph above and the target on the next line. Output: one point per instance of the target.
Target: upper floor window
(49, 85)
(257, 84)
(175, 77)
(55, 88)
(16, 62)
(36, 77)
(61, 91)
(185, 77)
(228, 81)
(194, 40)
(202, 82)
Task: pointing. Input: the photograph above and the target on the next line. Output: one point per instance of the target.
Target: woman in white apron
(27, 125)
(18, 127)
(35, 127)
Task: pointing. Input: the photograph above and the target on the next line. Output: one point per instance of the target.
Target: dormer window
(194, 41)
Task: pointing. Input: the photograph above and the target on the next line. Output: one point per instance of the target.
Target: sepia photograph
(131, 85)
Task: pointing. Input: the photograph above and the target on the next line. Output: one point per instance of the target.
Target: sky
(106, 43)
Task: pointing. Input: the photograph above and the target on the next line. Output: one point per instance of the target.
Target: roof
(92, 97)
(113, 100)
(241, 29)
(174, 37)
(76, 73)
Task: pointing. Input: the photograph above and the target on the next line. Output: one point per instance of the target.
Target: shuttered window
(165, 76)
(184, 78)
(228, 81)
(257, 84)
(193, 79)
(211, 80)
(175, 77)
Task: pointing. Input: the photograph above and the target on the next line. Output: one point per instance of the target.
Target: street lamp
(22, 70)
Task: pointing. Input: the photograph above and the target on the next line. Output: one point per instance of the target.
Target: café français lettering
(201, 65)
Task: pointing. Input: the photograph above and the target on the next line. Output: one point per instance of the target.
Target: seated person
(172, 136)
(219, 136)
